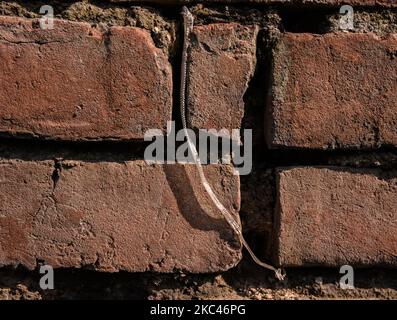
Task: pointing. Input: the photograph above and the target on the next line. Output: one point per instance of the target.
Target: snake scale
(188, 24)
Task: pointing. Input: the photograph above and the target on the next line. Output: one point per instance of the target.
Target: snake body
(188, 24)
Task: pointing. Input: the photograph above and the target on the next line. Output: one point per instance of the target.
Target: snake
(188, 26)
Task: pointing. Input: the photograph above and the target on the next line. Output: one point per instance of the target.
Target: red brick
(222, 61)
(112, 216)
(76, 82)
(334, 91)
(336, 216)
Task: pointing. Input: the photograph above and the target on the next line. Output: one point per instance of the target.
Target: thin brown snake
(188, 24)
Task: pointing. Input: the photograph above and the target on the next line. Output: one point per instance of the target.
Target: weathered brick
(76, 82)
(334, 91)
(222, 61)
(336, 216)
(112, 216)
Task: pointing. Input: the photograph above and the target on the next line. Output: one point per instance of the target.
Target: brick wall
(77, 100)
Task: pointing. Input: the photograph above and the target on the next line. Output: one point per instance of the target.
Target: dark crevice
(306, 21)
(176, 74)
(243, 280)
(257, 188)
(98, 151)
(56, 174)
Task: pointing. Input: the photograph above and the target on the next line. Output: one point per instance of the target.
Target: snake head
(187, 18)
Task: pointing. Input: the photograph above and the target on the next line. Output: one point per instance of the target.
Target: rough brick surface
(222, 61)
(334, 91)
(76, 82)
(336, 216)
(112, 216)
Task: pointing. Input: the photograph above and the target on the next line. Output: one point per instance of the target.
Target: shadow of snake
(190, 206)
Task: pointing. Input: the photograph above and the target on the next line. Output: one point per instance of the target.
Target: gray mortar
(380, 22)
(163, 31)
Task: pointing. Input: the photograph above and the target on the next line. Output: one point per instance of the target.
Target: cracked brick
(111, 216)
